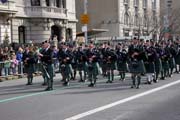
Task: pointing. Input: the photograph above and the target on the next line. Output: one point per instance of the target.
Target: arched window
(136, 3)
(126, 18)
(57, 3)
(64, 3)
(145, 3)
(47, 3)
(35, 2)
(21, 32)
(145, 21)
(136, 20)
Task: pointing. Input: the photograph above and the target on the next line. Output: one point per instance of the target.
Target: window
(47, 3)
(126, 18)
(145, 21)
(136, 20)
(126, 33)
(35, 2)
(145, 4)
(57, 3)
(136, 3)
(154, 4)
(64, 3)
(154, 20)
(126, 2)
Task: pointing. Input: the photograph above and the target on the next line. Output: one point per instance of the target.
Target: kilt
(66, 69)
(103, 65)
(80, 66)
(74, 66)
(165, 65)
(150, 67)
(172, 63)
(25, 68)
(158, 65)
(111, 66)
(30, 68)
(137, 67)
(122, 66)
(92, 67)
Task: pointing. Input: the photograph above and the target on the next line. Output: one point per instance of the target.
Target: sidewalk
(15, 77)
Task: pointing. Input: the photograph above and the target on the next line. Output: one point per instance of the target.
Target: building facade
(7, 11)
(39, 20)
(123, 18)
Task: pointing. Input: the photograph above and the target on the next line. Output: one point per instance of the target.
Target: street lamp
(85, 25)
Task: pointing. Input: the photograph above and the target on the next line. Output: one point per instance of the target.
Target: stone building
(123, 18)
(39, 20)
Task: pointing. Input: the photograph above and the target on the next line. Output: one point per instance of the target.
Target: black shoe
(108, 81)
(48, 89)
(81, 81)
(137, 87)
(66, 84)
(170, 75)
(155, 81)
(44, 84)
(162, 78)
(29, 84)
(91, 85)
(149, 82)
(133, 86)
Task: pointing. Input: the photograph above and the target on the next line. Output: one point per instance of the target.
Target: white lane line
(82, 115)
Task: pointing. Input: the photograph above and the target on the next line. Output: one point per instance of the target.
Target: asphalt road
(21, 102)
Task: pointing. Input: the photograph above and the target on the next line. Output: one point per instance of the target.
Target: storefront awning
(92, 32)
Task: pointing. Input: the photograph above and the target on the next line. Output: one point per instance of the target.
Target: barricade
(9, 71)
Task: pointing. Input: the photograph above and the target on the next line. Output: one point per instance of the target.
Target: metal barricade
(8, 68)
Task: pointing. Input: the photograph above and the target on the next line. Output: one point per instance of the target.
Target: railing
(50, 12)
(8, 70)
(8, 6)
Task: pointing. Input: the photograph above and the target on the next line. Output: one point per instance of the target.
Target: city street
(40, 37)
(116, 101)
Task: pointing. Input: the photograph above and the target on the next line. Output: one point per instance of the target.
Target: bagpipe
(44, 68)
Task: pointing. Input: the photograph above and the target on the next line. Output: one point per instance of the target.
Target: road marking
(47, 92)
(102, 108)
(35, 94)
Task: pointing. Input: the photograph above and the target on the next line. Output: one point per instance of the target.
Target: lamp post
(85, 25)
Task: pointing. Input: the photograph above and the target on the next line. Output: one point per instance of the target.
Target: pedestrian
(14, 63)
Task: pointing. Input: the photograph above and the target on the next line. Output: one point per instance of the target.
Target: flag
(4, 1)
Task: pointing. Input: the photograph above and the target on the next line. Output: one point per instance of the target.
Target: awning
(92, 32)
